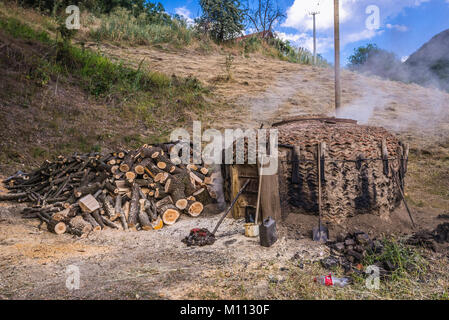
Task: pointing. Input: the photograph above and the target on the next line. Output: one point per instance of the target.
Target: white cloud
(353, 18)
(397, 27)
(185, 13)
(359, 36)
(405, 58)
(305, 40)
(298, 15)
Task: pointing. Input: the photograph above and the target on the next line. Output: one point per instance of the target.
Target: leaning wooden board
(270, 202)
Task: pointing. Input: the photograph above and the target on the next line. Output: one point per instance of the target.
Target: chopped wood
(169, 214)
(88, 203)
(120, 212)
(143, 217)
(80, 225)
(134, 207)
(12, 196)
(194, 208)
(203, 196)
(89, 192)
(157, 224)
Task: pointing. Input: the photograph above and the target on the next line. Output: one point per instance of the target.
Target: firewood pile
(141, 189)
(359, 166)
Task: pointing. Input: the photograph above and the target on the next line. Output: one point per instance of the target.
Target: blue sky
(402, 26)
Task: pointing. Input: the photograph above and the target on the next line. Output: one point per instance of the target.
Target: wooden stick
(258, 192)
(231, 206)
(403, 197)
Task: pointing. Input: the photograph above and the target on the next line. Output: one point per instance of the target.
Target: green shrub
(122, 25)
(19, 30)
(295, 55)
(404, 259)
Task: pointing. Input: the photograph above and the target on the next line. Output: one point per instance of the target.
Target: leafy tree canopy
(222, 19)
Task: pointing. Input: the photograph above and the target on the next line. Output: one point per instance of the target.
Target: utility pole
(337, 56)
(314, 13)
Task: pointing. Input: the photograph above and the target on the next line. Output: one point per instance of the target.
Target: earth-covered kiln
(361, 166)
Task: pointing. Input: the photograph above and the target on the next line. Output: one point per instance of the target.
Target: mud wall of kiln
(349, 187)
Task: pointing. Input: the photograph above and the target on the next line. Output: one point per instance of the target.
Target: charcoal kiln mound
(362, 168)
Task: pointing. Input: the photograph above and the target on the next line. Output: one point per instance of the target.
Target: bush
(122, 25)
(295, 55)
(370, 59)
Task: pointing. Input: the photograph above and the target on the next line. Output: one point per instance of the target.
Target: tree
(376, 61)
(98, 6)
(222, 19)
(263, 15)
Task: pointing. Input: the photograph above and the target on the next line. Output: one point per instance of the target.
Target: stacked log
(139, 189)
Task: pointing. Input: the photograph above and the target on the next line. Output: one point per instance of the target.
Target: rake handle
(231, 206)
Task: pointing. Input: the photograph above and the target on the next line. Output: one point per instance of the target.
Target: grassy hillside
(59, 98)
(430, 64)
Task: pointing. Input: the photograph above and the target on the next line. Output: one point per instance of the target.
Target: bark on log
(90, 189)
(90, 219)
(109, 223)
(57, 227)
(96, 215)
(109, 209)
(12, 196)
(127, 162)
(134, 207)
(203, 196)
(143, 217)
(159, 204)
(119, 211)
(80, 225)
(150, 152)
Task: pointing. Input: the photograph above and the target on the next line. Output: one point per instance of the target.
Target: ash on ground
(199, 237)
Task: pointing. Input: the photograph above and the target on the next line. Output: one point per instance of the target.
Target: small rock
(339, 246)
(349, 242)
(330, 262)
(362, 239)
(275, 279)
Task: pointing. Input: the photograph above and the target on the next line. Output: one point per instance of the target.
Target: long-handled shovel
(321, 233)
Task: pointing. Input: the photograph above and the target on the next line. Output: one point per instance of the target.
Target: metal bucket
(251, 230)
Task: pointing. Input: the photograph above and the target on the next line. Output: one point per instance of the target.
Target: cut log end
(195, 209)
(181, 204)
(157, 224)
(170, 214)
(57, 227)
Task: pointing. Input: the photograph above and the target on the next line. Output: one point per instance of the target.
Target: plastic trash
(330, 281)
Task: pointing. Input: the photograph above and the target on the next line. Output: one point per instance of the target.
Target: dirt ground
(151, 265)
(157, 265)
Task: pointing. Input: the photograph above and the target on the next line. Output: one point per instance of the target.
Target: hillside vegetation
(430, 64)
(60, 98)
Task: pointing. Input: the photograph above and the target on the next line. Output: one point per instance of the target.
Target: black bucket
(267, 232)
